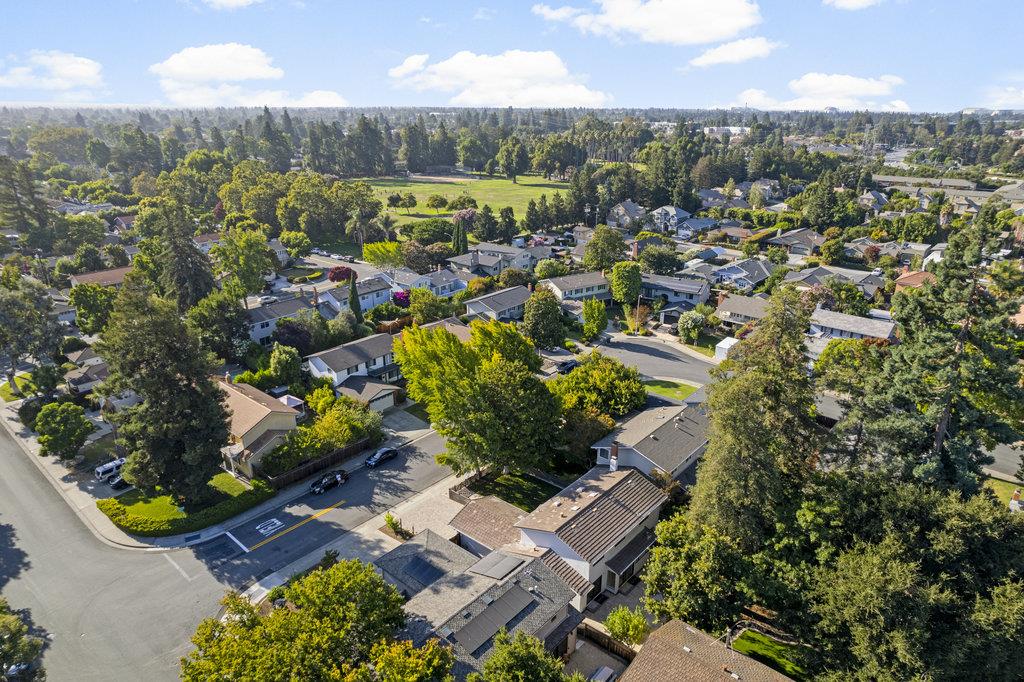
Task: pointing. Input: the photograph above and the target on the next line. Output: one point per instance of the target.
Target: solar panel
(485, 624)
(423, 571)
(496, 565)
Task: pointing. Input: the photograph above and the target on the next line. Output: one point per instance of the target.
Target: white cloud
(513, 78)
(853, 5)
(484, 14)
(1005, 97)
(821, 90)
(230, 4)
(51, 70)
(676, 22)
(735, 52)
(208, 76)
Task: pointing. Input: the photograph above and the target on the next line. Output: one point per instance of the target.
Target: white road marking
(269, 526)
(177, 567)
(244, 548)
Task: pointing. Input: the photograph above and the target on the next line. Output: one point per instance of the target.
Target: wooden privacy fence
(311, 467)
(606, 641)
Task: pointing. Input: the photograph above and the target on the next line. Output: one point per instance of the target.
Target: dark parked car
(329, 480)
(567, 366)
(118, 483)
(381, 456)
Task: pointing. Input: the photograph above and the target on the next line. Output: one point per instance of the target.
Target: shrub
(394, 326)
(570, 346)
(627, 626)
(72, 343)
(124, 519)
(28, 411)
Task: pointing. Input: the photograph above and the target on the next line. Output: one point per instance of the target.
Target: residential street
(114, 614)
(657, 358)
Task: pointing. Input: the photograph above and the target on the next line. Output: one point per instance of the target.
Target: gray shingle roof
(678, 284)
(405, 563)
(749, 306)
(666, 436)
(489, 520)
(569, 282)
(274, 311)
(881, 329)
(355, 352)
(503, 299)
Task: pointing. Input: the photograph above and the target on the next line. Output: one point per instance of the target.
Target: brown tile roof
(452, 324)
(489, 520)
(106, 278)
(682, 653)
(596, 510)
(569, 575)
(914, 279)
(248, 406)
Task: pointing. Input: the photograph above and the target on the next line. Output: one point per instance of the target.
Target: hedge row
(311, 277)
(203, 518)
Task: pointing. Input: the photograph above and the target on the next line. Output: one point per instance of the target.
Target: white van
(105, 471)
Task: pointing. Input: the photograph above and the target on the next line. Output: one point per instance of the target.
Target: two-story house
(668, 438)
(371, 356)
(601, 526)
(579, 287)
(669, 218)
(372, 292)
(442, 282)
(257, 424)
(625, 215)
(835, 325)
(263, 320)
(678, 294)
(504, 304)
(737, 310)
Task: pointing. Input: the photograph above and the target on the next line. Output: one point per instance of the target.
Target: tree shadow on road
(13, 560)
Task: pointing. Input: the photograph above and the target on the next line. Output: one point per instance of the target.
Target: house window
(264, 325)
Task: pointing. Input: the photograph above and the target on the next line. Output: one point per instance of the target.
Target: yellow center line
(292, 527)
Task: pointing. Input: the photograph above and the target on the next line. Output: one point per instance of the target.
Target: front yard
(525, 492)
(99, 451)
(706, 344)
(670, 389)
(24, 382)
(135, 512)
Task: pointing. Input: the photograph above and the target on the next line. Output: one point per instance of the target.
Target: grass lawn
(1002, 489)
(24, 382)
(100, 450)
(419, 412)
(497, 192)
(706, 344)
(163, 507)
(670, 389)
(786, 658)
(523, 491)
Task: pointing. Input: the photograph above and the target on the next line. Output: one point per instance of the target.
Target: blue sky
(919, 55)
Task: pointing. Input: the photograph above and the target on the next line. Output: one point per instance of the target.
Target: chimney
(613, 459)
(227, 377)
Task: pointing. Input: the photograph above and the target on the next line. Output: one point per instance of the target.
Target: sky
(904, 55)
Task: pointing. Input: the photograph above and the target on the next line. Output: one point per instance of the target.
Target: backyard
(786, 658)
(670, 389)
(496, 192)
(525, 492)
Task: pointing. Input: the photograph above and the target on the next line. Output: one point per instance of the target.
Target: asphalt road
(115, 614)
(657, 358)
(1007, 460)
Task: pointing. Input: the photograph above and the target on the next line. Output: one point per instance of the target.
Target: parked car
(336, 256)
(566, 366)
(602, 674)
(331, 479)
(381, 456)
(118, 483)
(267, 299)
(347, 259)
(113, 468)
(318, 251)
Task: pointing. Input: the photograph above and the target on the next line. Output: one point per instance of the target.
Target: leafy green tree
(116, 255)
(462, 202)
(625, 281)
(432, 230)
(425, 306)
(605, 248)
(47, 378)
(659, 260)
(602, 383)
(485, 225)
(507, 228)
(297, 243)
(627, 626)
(831, 251)
(92, 304)
(408, 202)
(691, 324)
(402, 662)
(777, 255)
(220, 324)
(502, 338)
(542, 319)
(696, 574)
(97, 152)
(243, 258)
(595, 318)
(514, 277)
(519, 658)
(62, 429)
(384, 255)
(436, 202)
(28, 327)
(174, 435)
(512, 158)
(335, 618)
(17, 646)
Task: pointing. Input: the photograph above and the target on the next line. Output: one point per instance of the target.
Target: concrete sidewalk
(80, 491)
(429, 509)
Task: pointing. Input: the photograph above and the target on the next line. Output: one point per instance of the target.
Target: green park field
(497, 192)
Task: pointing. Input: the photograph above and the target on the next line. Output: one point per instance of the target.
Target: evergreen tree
(353, 300)
(507, 229)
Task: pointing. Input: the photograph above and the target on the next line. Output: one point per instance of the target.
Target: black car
(567, 366)
(118, 483)
(329, 480)
(381, 456)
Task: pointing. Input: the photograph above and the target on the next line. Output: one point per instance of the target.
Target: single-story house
(206, 241)
(486, 524)
(378, 395)
(257, 424)
(801, 241)
(835, 325)
(112, 277)
(744, 275)
(452, 325)
(84, 357)
(695, 226)
(737, 310)
(87, 377)
(666, 438)
(913, 280)
(123, 223)
(866, 282)
(504, 304)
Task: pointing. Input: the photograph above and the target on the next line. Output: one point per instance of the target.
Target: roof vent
(575, 507)
(556, 503)
(591, 494)
(488, 599)
(580, 490)
(687, 649)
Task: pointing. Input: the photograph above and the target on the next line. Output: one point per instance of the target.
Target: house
(903, 252)
(87, 377)
(695, 226)
(84, 357)
(512, 256)
(206, 241)
(372, 292)
(504, 304)
(737, 310)
(579, 287)
(453, 326)
(677, 293)
(263, 320)
(801, 241)
(669, 218)
(466, 607)
(682, 653)
(872, 200)
(601, 526)
(113, 277)
(442, 282)
(65, 312)
(743, 275)
(476, 264)
(941, 183)
(124, 223)
(625, 215)
(77, 207)
(913, 280)
(867, 282)
(668, 438)
(257, 423)
(371, 356)
(279, 251)
(486, 524)
(731, 234)
(378, 395)
(830, 324)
